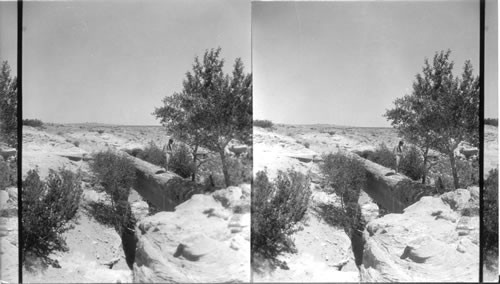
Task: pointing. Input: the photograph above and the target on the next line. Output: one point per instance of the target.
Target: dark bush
(383, 156)
(490, 213)
(263, 123)
(181, 161)
(116, 175)
(276, 208)
(33, 122)
(491, 121)
(153, 154)
(412, 163)
(345, 174)
(48, 207)
(8, 106)
(8, 173)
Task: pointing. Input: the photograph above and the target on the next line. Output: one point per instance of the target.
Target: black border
(481, 134)
(19, 134)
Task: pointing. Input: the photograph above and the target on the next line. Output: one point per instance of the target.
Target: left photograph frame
(137, 132)
(9, 142)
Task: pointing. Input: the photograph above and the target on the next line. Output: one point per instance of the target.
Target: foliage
(48, 207)
(491, 121)
(212, 109)
(412, 163)
(467, 171)
(181, 161)
(8, 173)
(153, 154)
(116, 174)
(383, 156)
(8, 106)
(276, 208)
(345, 174)
(441, 111)
(32, 122)
(490, 213)
(263, 123)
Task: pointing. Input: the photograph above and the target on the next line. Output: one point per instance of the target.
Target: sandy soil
(92, 246)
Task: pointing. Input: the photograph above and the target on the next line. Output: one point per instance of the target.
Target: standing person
(168, 152)
(398, 151)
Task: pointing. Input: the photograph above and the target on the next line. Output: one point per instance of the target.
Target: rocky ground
(9, 236)
(432, 240)
(320, 247)
(205, 236)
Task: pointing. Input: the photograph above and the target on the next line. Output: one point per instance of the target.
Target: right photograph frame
(367, 138)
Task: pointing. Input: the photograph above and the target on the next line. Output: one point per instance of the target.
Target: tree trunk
(225, 171)
(453, 169)
(425, 164)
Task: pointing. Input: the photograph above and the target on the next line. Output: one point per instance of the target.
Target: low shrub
(116, 174)
(48, 207)
(33, 122)
(152, 154)
(276, 209)
(345, 174)
(307, 145)
(490, 213)
(383, 156)
(491, 121)
(181, 161)
(263, 123)
(8, 173)
(412, 163)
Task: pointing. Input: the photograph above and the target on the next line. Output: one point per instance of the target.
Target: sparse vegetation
(345, 174)
(48, 208)
(32, 122)
(412, 163)
(276, 209)
(152, 154)
(115, 173)
(263, 123)
(8, 173)
(491, 121)
(181, 161)
(383, 156)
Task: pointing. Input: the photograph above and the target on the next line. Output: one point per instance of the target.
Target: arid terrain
(414, 245)
(202, 237)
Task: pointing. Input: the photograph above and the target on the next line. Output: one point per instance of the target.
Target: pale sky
(8, 34)
(114, 61)
(491, 60)
(346, 62)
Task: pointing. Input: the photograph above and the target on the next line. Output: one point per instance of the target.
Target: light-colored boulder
(429, 242)
(201, 241)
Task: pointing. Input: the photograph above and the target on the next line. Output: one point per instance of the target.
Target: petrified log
(393, 191)
(164, 189)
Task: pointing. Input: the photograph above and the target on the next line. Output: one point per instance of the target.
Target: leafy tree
(441, 111)
(212, 109)
(8, 106)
